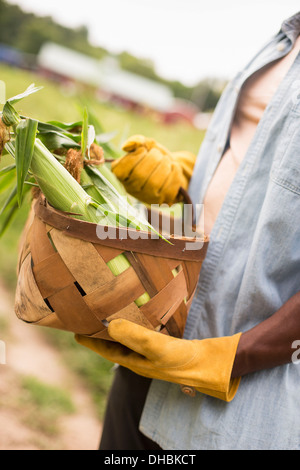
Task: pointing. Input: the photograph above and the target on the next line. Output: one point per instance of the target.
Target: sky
(188, 40)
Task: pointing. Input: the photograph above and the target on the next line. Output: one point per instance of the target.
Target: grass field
(53, 104)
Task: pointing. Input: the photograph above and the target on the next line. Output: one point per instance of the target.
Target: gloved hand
(151, 173)
(205, 364)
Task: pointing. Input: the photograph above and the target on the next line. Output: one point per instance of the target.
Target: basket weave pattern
(64, 282)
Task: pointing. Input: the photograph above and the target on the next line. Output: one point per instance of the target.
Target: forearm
(269, 344)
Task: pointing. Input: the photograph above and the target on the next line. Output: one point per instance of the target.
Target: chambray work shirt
(252, 268)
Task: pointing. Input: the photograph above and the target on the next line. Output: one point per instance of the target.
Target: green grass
(44, 405)
(95, 371)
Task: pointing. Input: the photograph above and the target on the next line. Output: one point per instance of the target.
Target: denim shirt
(252, 268)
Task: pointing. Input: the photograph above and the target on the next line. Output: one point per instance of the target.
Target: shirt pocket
(286, 171)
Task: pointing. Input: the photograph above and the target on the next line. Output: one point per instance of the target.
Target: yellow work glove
(151, 173)
(205, 365)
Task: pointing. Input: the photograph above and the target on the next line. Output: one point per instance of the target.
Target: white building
(105, 75)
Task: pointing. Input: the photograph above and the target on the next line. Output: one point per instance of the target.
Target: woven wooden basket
(64, 281)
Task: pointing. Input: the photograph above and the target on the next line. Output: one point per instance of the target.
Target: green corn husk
(56, 183)
(35, 164)
(59, 187)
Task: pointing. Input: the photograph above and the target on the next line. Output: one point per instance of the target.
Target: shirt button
(281, 47)
(220, 147)
(190, 391)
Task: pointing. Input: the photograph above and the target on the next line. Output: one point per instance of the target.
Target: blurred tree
(143, 67)
(206, 94)
(181, 91)
(11, 18)
(28, 32)
(32, 35)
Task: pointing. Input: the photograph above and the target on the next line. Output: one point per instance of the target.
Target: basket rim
(87, 231)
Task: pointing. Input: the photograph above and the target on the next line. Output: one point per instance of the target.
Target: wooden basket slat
(83, 261)
(73, 312)
(107, 253)
(107, 299)
(165, 318)
(51, 321)
(176, 324)
(29, 302)
(133, 313)
(52, 275)
(191, 274)
(173, 293)
(25, 248)
(173, 263)
(41, 247)
(142, 273)
(157, 270)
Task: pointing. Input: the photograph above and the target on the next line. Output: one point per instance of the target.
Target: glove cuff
(226, 395)
(222, 386)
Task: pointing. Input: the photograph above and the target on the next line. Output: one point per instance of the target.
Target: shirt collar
(291, 27)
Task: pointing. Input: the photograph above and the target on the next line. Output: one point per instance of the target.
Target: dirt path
(27, 353)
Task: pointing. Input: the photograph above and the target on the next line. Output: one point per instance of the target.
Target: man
(239, 358)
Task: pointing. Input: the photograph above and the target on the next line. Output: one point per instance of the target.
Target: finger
(102, 347)
(114, 352)
(167, 183)
(134, 143)
(149, 373)
(145, 342)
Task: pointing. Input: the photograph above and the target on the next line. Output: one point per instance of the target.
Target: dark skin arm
(269, 344)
